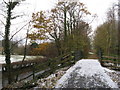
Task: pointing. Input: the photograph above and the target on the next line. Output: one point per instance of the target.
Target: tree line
(64, 26)
(107, 36)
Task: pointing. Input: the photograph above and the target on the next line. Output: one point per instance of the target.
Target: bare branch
(2, 22)
(18, 31)
(16, 16)
(17, 42)
(1, 34)
(3, 15)
(25, 49)
(5, 2)
(93, 19)
(24, 37)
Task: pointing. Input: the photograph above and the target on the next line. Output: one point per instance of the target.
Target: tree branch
(5, 2)
(18, 31)
(17, 42)
(93, 19)
(1, 34)
(3, 15)
(2, 22)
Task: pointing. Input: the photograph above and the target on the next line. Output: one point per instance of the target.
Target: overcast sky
(98, 7)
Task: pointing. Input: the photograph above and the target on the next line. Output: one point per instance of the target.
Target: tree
(65, 25)
(10, 5)
(56, 29)
(118, 30)
(41, 25)
(111, 29)
(67, 20)
(105, 35)
(100, 39)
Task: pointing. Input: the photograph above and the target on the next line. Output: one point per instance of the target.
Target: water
(16, 58)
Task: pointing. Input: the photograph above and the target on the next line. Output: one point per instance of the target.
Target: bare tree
(25, 49)
(119, 30)
(10, 5)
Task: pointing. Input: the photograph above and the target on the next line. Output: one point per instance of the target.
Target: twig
(18, 31)
(5, 2)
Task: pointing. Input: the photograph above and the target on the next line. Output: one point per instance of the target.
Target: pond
(16, 58)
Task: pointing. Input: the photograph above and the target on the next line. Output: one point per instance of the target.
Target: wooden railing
(28, 63)
(54, 64)
(110, 62)
(44, 66)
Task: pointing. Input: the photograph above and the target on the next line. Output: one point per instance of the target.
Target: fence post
(100, 54)
(33, 71)
(73, 55)
(78, 55)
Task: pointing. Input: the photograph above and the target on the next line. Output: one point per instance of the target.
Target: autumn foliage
(41, 26)
(44, 49)
(64, 26)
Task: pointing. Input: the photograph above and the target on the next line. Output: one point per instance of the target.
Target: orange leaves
(37, 26)
(43, 46)
(42, 26)
(85, 11)
(41, 49)
(81, 4)
(37, 36)
(54, 10)
(39, 16)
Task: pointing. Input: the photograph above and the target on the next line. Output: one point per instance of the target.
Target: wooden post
(33, 71)
(100, 54)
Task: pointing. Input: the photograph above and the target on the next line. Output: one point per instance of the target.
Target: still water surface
(16, 58)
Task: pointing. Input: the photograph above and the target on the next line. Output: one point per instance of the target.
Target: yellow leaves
(82, 9)
(42, 25)
(54, 10)
(60, 3)
(81, 4)
(37, 36)
(37, 26)
(85, 11)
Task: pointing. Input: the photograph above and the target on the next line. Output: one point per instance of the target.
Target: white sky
(98, 7)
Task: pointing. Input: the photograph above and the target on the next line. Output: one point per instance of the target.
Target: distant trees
(118, 30)
(106, 34)
(65, 25)
(71, 25)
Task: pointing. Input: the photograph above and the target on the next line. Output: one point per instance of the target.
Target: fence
(43, 68)
(109, 61)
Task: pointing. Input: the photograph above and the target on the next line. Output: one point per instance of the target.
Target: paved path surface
(86, 73)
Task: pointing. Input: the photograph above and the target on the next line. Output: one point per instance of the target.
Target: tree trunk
(7, 44)
(119, 30)
(65, 28)
(58, 46)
